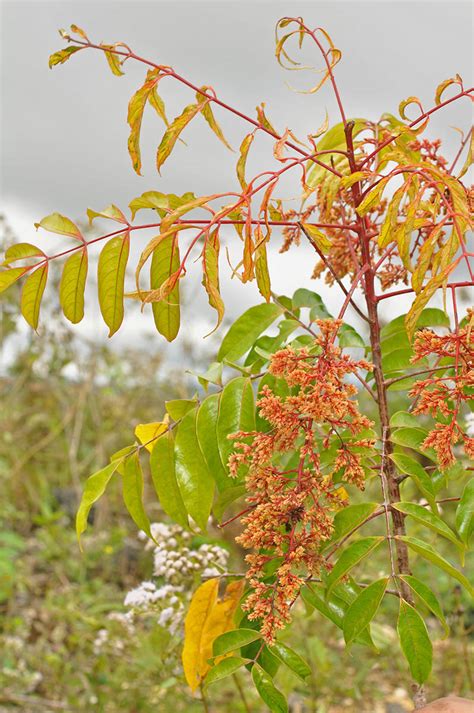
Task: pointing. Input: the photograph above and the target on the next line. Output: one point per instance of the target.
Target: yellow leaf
(136, 108)
(261, 265)
(406, 102)
(111, 212)
(173, 132)
(262, 118)
(62, 56)
(348, 181)
(210, 277)
(8, 277)
(111, 269)
(79, 31)
(209, 117)
(158, 105)
(244, 150)
(165, 262)
(343, 497)
(422, 299)
(207, 618)
(147, 433)
(317, 237)
(32, 293)
(57, 223)
(372, 198)
(72, 286)
(444, 85)
(113, 60)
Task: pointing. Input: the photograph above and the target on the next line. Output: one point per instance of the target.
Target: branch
(333, 273)
(451, 285)
(169, 71)
(464, 93)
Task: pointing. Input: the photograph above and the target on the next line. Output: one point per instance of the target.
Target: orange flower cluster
(289, 513)
(445, 394)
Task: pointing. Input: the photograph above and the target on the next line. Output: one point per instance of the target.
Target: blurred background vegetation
(66, 405)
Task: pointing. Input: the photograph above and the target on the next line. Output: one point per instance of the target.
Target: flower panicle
(291, 512)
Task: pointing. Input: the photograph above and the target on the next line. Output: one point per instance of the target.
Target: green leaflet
(428, 519)
(333, 609)
(236, 413)
(206, 428)
(427, 597)
(232, 640)
(246, 329)
(132, 488)
(162, 466)
(291, 659)
(349, 558)
(426, 551)
(269, 694)
(93, 490)
(195, 482)
(363, 609)
(349, 337)
(226, 498)
(398, 360)
(465, 513)
(403, 418)
(224, 668)
(413, 438)
(415, 642)
(72, 286)
(32, 293)
(349, 517)
(415, 470)
(111, 279)
(306, 298)
(165, 262)
(397, 340)
(177, 408)
(173, 132)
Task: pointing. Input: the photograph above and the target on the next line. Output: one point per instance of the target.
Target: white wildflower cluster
(177, 562)
(177, 567)
(470, 425)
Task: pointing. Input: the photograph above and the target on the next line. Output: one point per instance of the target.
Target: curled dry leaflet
(340, 434)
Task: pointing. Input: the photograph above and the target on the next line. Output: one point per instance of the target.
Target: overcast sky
(64, 132)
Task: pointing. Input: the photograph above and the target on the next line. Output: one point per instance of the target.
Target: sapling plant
(328, 437)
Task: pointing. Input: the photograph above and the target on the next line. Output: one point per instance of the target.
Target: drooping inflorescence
(291, 503)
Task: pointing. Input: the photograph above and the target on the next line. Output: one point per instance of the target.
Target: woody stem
(387, 465)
